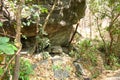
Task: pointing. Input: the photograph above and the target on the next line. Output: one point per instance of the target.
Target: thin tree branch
(7, 66)
(7, 35)
(74, 33)
(111, 31)
(105, 46)
(112, 22)
(48, 16)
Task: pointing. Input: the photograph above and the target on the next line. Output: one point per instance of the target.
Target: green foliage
(114, 61)
(6, 47)
(12, 5)
(85, 43)
(59, 67)
(43, 42)
(82, 47)
(85, 50)
(27, 23)
(30, 11)
(45, 55)
(104, 7)
(109, 10)
(101, 46)
(33, 13)
(118, 8)
(1, 24)
(92, 57)
(1, 71)
(4, 40)
(23, 36)
(96, 74)
(74, 54)
(68, 68)
(25, 69)
(113, 57)
(43, 10)
(56, 67)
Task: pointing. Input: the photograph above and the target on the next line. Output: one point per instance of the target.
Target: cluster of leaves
(6, 47)
(110, 10)
(1, 24)
(60, 67)
(30, 11)
(81, 47)
(106, 9)
(87, 54)
(45, 55)
(25, 69)
(1, 71)
(43, 43)
(85, 50)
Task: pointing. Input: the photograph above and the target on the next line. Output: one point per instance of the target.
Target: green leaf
(36, 14)
(14, 48)
(4, 40)
(1, 24)
(1, 71)
(118, 8)
(24, 23)
(28, 23)
(1, 52)
(7, 48)
(24, 36)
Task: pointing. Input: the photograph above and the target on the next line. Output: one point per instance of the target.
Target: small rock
(79, 68)
(56, 49)
(43, 62)
(57, 60)
(61, 74)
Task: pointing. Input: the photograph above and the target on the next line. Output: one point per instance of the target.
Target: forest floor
(61, 67)
(53, 68)
(109, 75)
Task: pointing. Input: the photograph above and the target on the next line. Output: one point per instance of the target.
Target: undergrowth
(87, 52)
(25, 69)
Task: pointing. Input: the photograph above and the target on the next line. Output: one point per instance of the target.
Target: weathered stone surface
(55, 50)
(59, 35)
(61, 74)
(67, 13)
(53, 68)
(60, 24)
(28, 31)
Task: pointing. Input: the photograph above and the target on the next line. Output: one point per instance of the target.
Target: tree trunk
(18, 41)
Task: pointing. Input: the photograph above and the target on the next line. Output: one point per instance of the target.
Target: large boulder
(60, 24)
